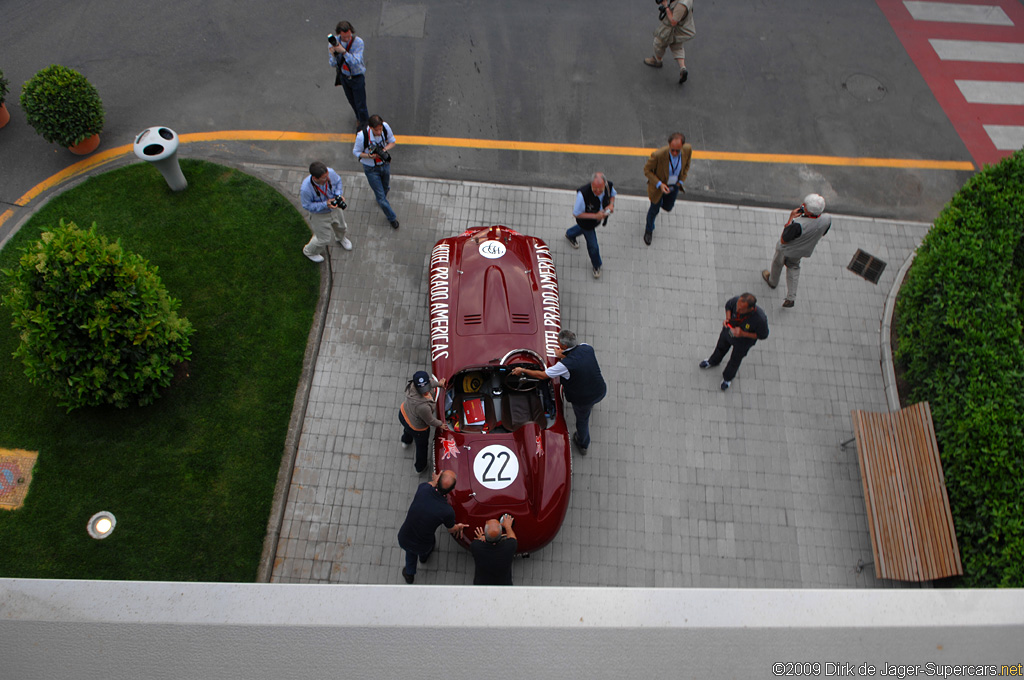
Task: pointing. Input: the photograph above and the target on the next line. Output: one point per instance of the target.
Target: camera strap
(368, 142)
(345, 70)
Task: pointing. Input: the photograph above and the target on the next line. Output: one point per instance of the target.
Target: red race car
(493, 300)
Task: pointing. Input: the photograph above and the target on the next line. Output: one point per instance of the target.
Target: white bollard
(159, 146)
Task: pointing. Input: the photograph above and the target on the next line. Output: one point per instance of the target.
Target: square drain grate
(866, 265)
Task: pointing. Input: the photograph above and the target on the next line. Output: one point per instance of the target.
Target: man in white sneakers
(807, 224)
(322, 195)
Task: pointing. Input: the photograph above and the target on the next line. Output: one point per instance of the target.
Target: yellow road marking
(492, 144)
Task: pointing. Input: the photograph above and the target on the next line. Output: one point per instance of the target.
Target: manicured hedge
(959, 320)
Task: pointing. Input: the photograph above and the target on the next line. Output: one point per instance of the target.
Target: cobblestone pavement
(684, 485)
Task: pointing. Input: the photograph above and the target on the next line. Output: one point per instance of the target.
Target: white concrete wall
(105, 630)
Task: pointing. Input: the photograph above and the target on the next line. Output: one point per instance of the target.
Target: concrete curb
(892, 395)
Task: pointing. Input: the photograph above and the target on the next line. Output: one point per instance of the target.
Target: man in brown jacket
(666, 170)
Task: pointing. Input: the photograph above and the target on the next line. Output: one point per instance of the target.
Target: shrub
(4, 88)
(96, 324)
(62, 105)
(959, 324)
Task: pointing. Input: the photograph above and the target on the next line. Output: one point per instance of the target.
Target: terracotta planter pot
(5, 115)
(86, 146)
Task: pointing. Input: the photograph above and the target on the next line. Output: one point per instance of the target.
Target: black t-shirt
(754, 322)
(493, 562)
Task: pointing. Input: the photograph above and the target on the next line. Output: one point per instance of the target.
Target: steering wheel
(520, 382)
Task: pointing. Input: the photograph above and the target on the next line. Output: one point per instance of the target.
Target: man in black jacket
(745, 323)
(493, 551)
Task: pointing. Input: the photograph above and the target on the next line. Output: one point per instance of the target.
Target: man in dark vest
(582, 382)
(807, 224)
(594, 203)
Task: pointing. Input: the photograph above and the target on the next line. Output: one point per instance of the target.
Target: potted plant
(64, 108)
(4, 113)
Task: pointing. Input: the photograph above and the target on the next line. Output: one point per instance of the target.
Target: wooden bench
(912, 535)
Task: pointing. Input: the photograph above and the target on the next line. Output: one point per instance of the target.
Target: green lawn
(189, 478)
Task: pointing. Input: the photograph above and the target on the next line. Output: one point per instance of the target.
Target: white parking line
(1006, 137)
(991, 92)
(956, 13)
(978, 50)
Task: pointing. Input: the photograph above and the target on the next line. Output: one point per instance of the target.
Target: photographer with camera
(322, 195)
(346, 56)
(371, 148)
(807, 223)
(675, 29)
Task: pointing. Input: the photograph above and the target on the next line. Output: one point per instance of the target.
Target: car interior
(491, 399)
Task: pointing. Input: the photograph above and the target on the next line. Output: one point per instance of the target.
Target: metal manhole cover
(866, 265)
(15, 476)
(864, 87)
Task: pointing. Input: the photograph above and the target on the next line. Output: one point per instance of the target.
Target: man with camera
(371, 148)
(322, 195)
(807, 224)
(666, 171)
(745, 323)
(676, 28)
(346, 56)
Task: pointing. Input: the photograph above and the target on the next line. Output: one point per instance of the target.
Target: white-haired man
(807, 224)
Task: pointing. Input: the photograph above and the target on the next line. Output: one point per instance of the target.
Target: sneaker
(651, 61)
(788, 303)
(409, 578)
(648, 235)
(576, 441)
(767, 276)
(725, 384)
(572, 242)
(597, 272)
(346, 244)
(405, 445)
(394, 224)
(683, 73)
(315, 258)
(705, 364)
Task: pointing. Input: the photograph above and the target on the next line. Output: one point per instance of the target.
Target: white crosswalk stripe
(1006, 137)
(957, 13)
(978, 50)
(991, 92)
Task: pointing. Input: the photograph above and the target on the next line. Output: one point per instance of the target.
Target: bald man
(493, 550)
(429, 509)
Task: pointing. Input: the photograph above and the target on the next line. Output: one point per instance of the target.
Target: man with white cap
(807, 224)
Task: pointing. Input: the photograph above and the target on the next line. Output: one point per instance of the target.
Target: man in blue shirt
(429, 509)
(582, 382)
(322, 195)
(371, 147)
(594, 203)
(347, 58)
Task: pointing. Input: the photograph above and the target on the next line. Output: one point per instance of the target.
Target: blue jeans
(355, 92)
(666, 203)
(379, 177)
(590, 235)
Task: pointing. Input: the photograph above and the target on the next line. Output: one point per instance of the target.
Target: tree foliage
(96, 324)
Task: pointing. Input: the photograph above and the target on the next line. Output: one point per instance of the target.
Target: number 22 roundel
(495, 466)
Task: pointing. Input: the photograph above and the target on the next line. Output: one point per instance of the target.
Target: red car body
(493, 301)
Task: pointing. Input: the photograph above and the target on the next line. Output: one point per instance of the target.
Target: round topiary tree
(4, 87)
(97, 325)
(62, 105)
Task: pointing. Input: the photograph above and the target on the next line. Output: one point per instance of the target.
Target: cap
(422, 381)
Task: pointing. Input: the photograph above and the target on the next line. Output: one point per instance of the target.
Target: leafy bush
(4, 89)
(62, 105)
(959, 320)
(97, 325)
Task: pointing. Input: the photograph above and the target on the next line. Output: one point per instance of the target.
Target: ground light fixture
(101, 524)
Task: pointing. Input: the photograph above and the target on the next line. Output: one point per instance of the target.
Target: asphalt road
(823, 77)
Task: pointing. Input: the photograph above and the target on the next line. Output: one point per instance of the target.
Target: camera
(337, 202)
(661, 10)
(378, 151)
(331, 39)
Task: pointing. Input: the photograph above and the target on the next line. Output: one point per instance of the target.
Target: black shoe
(725, 384)
(572, 242)
(409, 578)
(394, 224)
(425, 558)
(705, 364)
(683, 73)
(576, 441)
(419, 470)
(648, 235)
(788, 303)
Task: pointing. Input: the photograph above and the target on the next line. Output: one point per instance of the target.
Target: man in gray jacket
(807, 224)
(418, 413)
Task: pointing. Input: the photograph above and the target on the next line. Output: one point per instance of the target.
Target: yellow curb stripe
(491, 144)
